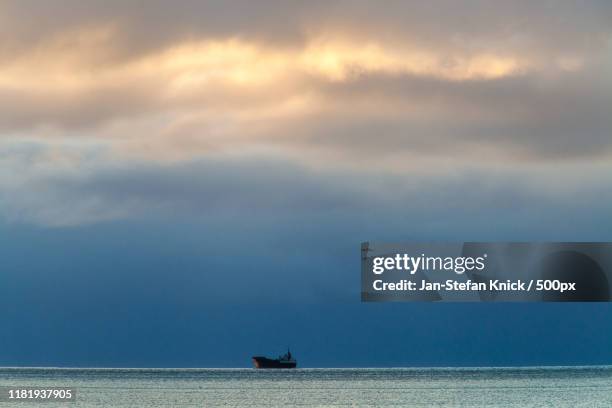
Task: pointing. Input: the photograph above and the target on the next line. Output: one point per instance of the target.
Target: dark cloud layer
(557, 25)
(277, 190)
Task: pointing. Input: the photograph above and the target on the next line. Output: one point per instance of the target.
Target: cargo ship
(284, 361)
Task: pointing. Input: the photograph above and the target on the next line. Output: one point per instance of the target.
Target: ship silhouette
(285, 361)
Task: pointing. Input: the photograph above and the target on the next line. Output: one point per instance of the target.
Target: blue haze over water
(206, 295)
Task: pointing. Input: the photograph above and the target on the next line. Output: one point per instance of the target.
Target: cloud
(562, 25)
(98, 95)
(73, 185)
(59, 189)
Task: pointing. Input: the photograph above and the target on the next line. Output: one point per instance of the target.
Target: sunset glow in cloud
(325, 89)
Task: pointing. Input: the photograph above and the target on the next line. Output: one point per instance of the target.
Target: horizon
(312, 368)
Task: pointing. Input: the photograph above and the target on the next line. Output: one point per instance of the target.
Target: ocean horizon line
(517, 367)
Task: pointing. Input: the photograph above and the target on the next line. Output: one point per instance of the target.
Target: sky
(187, 183)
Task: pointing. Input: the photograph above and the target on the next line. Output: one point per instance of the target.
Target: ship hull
(263, 362)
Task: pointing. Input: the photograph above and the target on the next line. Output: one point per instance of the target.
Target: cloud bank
(109, 110)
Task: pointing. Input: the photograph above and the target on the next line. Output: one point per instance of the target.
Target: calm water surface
(456, 387)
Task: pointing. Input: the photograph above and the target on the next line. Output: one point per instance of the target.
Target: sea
(554, 387)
